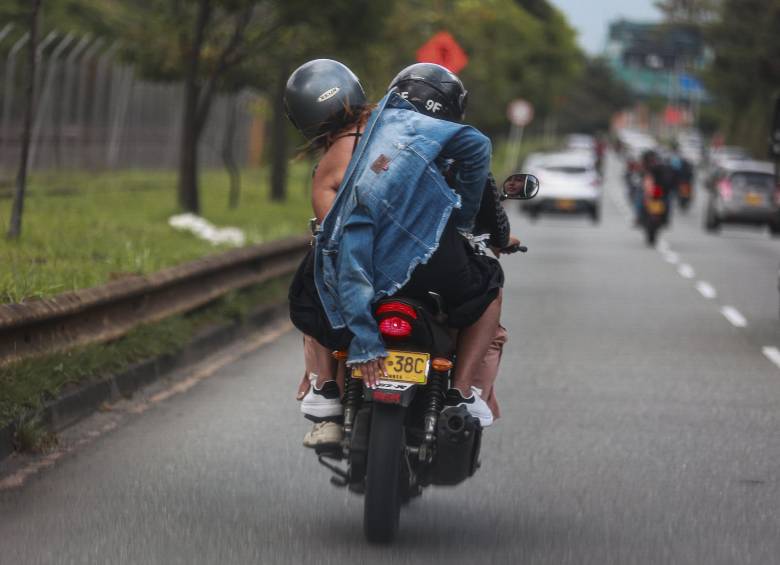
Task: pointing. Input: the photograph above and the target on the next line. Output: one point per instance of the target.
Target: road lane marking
(772, 353)
(706, 289)
(686, 271)
(663, 246)
(733, 315)
(671, 257)
(199, 372)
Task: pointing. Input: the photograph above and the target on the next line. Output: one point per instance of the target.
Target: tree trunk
(228, 154)
(279, 139)
(17, 208)
(190, 131)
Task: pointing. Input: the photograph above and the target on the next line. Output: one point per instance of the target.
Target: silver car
(743, 192)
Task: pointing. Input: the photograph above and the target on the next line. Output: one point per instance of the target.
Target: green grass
(82, 229)
(25, 385)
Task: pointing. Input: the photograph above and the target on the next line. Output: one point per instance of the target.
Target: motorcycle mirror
(520, 186)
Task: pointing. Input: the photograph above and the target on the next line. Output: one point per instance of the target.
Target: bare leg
(486, 374)
(473, 344)
(317, 361)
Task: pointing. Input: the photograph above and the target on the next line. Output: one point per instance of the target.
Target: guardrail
(109, 311)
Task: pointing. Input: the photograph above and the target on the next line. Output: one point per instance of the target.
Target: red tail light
(397, 307)
(655, 191)
(724, 188)
(395, 327)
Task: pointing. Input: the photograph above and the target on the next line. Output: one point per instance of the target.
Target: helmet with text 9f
(432, 90)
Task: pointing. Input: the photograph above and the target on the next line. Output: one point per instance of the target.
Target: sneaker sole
(322, 410)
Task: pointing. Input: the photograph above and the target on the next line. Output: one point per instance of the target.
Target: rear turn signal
(340, 355)
(395, 327)
(441, 364)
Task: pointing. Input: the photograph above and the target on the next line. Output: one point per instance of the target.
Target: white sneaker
(474, 404)
(324, 433)
(324, 402)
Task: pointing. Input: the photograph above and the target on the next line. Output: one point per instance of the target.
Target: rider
(483, 284)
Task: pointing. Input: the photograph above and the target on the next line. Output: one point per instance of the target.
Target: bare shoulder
(333, 165)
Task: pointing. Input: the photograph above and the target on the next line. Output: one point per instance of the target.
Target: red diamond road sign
(443, 50)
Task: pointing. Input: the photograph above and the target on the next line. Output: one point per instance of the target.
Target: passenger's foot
(324, 433)
(474, 404)
(324, 402)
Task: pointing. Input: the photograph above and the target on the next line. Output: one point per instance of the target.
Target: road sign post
(520, 113)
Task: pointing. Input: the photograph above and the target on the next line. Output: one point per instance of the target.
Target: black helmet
(433, 90)
(319, 94)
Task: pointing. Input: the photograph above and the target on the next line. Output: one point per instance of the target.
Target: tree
(745, 73)
(17, 208)
(198, 41)
(593, 99)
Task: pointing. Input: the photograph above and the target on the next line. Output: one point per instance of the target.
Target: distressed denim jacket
(390, 211)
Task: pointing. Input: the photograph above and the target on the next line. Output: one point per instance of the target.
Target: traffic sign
(520, 112)
(443, 50)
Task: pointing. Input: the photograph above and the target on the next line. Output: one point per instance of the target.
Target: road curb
(75, 405)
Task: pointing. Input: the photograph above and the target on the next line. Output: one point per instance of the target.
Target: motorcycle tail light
(397, 307)
(395, 327)
(724, 188)
(656, 192)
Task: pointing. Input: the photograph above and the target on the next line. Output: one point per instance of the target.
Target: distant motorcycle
(399, 437)
(654, 211)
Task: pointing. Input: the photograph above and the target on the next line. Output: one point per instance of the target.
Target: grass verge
(26, 385)
(82, 229)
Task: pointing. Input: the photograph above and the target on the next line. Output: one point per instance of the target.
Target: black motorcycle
(654, 213)
(399, 437)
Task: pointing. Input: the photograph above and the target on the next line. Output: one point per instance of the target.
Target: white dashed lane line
(686, 271)
(733, 315)
(671, 257)
(706, 290)
(772, 353)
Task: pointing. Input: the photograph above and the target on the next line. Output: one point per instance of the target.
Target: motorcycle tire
(382, 504)
(650, 235)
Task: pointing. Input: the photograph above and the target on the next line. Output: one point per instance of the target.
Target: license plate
(754, 199)
(405, 367)
(656, 207)
(565, 204)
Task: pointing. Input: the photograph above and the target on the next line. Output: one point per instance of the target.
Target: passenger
(476, 297)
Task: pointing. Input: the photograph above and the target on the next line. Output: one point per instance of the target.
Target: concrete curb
(76, 405)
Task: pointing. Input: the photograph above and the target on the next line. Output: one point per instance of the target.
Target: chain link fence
(94, 113)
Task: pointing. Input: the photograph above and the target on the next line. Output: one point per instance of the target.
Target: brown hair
(348, 119)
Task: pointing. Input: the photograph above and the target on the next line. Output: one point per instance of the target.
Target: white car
(571, 184)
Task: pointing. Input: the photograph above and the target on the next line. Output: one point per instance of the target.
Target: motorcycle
(654, 212)
(399, 438)
(684, 195)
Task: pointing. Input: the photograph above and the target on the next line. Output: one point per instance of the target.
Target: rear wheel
(774, 229)
(650, 235)
(595, 214)
(382, 505)
(711, 221)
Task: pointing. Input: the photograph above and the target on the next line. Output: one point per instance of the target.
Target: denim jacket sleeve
(471, 150)
(356, 287)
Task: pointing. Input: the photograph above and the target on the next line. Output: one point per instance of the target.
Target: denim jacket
(390, 211)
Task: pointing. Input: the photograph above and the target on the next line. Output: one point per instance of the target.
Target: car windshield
(755, 181)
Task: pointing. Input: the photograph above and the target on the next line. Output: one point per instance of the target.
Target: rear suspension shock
(353, 395)
(437, 383)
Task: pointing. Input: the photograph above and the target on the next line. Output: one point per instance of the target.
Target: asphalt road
(640, 425)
